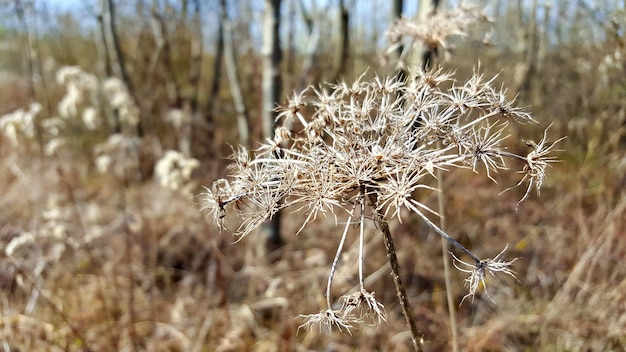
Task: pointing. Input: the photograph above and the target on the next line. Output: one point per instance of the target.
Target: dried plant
(361, 151)
(81, 89)
(19, 123)
(174, 170)
(433, 31)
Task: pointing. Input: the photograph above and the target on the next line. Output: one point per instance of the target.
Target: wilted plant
(81, 89)
(19, 122)
(433, 31)
(174, 170)
(360, 152)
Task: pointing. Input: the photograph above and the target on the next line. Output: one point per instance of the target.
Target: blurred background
(113, 114)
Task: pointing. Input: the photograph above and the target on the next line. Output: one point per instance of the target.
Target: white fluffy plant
(19, 123)
(359, 152)
(174, 171)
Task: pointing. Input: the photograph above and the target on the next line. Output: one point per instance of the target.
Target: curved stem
(446, 265)
(416, 334)
(443, 234)
(361, 243)
(336, 260)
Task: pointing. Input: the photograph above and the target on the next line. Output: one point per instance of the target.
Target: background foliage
(104, 246)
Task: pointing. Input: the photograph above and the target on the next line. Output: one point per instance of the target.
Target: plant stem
(446, 264)
(416, 335)
(447, 237)
(336, 260)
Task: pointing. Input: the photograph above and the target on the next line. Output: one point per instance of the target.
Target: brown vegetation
(104, 247)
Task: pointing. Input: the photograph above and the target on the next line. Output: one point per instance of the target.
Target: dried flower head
(327, 319)
(432, 31)
(360, 151)
(120, 100)
(478, 271)
(174, 170)
(20, 122)
(362, 304)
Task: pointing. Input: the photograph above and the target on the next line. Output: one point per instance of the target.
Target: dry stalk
(416, 334)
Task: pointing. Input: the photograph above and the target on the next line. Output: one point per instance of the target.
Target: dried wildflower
(53, 145)
(118, 155)
(433, 31)
(484, 147)
(479, 270)
(174, 170)
(536, 163)
(18, 242)
(81, 87)
(52, 126)
(177, 118)
(19, 122)
(363, 304)
(91, 119)
(327, 319)
(293, 109)
(213, 205)
(359, 152)
(120, 99)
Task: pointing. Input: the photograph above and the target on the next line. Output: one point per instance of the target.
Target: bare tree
(104, 62)
(217, 66)
(117, 47)
(109, 19)
(29, 56)
(271, 87)
(428, 52)
(164, 47)
(289, 81)
(344, 32)
(195, 73)
(396, 14)
(313, 22)
(531, 53)
(233, 80)
(195, 66)
(102, 45)
(32, 60)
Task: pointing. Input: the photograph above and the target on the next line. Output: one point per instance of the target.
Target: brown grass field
(119, 263)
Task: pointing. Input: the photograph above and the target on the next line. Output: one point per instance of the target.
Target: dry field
(102, 250)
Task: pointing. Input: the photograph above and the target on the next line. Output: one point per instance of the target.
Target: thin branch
(446, 265)
(416, 334)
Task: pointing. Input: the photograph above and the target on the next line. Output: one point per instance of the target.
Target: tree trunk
(31, 57)
(428, 54)
(217, 65)
(103, 48)
(289, 82)
(195, 66)
(314, 30)
(161, 37)
(531, 51)
(396, 14)
(117, 48)
(272, 57)
(195, 72)
(233, 80)
(344, 26)
(271, 86)
(106, 67)
(121, 62)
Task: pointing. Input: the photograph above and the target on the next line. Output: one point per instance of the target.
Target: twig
(416, 334)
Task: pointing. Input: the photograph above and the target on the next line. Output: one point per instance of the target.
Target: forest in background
(113, 115)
